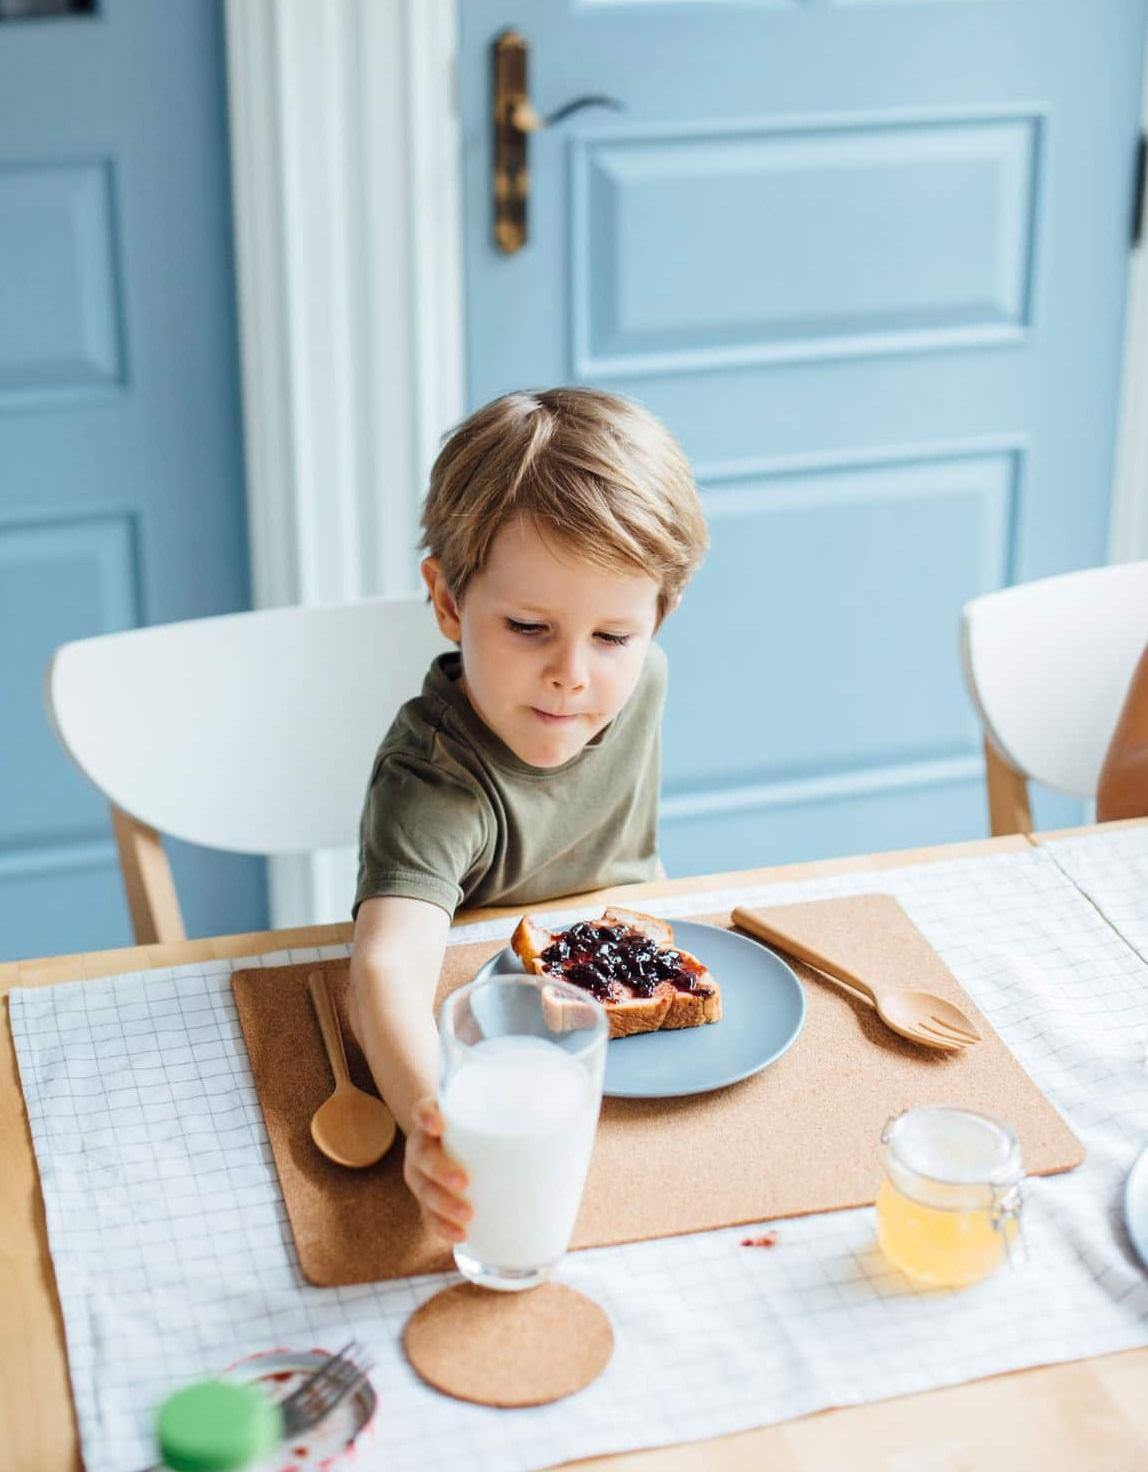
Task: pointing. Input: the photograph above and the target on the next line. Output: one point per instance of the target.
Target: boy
(561, 528)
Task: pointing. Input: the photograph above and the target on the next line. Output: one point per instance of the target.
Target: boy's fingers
(428, 1158)
(451, 1231)
(439, 1174)
(437, 1181)
(442, 1203)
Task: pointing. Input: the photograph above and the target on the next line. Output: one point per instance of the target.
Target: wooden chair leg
(152, 902)
(1009, 810)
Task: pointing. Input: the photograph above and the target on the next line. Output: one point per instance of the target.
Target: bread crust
(666, 1007)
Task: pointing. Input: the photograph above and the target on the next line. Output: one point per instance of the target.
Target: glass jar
(948, 1210)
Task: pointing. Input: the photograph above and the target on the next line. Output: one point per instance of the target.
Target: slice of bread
(690, 998)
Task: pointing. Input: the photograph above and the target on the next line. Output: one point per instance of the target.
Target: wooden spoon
(922, 1016)
(352, 1127)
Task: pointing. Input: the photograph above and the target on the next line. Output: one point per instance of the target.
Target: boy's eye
(529, 630)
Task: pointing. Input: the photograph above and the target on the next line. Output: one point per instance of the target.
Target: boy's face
(551, 646)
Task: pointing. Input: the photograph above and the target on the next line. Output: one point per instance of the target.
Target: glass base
(503, 1280)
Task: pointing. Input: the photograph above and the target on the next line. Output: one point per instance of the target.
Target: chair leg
(152, 902)
(1009, 810)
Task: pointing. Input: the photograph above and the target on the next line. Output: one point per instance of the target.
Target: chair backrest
(253, 732)
(1048, 665)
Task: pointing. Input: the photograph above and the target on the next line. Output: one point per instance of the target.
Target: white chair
(1048, 665)
(253, 732)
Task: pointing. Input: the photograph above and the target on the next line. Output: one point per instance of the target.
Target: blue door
(868, 262)
(121, 478)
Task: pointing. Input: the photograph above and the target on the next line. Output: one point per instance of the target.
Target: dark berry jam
(610, 961)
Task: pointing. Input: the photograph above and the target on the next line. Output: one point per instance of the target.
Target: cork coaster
(509, 1349)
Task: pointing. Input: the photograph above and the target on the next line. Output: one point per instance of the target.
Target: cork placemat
(509, 1349)
(801, 1136)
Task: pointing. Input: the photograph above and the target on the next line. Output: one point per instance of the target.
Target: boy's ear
(445, 605)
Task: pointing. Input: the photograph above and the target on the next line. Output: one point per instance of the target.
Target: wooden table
(1090, 1414)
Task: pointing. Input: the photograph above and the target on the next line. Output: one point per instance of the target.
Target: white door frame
(346, 165)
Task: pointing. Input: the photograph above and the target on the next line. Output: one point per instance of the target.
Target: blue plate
(1136, 1205)
(763, 1008)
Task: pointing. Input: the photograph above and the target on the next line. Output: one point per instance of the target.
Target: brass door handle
(526, 120)
(514, 121)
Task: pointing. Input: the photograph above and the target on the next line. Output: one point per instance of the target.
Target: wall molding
(346, 185)
(824, 787)
(1128, 527)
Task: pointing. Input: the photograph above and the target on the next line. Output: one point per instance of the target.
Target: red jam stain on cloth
(334, 1444)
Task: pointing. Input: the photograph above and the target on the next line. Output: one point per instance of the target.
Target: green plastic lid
(216, 1426)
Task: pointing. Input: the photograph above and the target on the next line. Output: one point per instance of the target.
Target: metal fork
(339, 1376)
(336, 1378)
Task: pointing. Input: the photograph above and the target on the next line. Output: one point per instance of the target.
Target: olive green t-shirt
(454, 817)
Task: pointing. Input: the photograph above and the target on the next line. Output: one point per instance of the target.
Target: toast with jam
(628, 962)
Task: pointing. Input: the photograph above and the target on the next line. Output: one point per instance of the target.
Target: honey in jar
(948, 1210)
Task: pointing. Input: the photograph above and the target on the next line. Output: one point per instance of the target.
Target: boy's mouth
(550, 718)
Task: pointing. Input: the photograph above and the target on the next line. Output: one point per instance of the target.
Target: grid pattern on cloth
(173, 1255)
(1112, 870)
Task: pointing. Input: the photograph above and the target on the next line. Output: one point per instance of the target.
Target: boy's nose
(566, 671)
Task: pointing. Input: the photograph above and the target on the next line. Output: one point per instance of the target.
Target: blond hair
(600, 474)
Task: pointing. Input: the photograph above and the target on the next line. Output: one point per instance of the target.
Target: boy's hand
(437, 1181)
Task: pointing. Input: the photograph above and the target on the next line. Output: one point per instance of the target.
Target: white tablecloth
(173, 1256)
(1111, 868)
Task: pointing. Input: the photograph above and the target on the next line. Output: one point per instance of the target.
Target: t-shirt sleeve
(423, 832)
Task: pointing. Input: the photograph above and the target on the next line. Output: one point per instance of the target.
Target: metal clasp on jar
(1006, 1211)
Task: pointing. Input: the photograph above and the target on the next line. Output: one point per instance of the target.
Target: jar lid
(217, 1426)
(956, 1146)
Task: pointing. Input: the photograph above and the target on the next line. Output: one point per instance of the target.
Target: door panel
(58, 298)
(933, 531)
(121, 490)
(956, 197)
(868, 262)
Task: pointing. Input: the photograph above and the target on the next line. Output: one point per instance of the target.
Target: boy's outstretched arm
(396, 958)
(1122, 791)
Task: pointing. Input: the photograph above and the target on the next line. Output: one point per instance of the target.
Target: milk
(520, 1115)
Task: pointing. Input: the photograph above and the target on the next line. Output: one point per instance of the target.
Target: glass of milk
(520, 1085)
